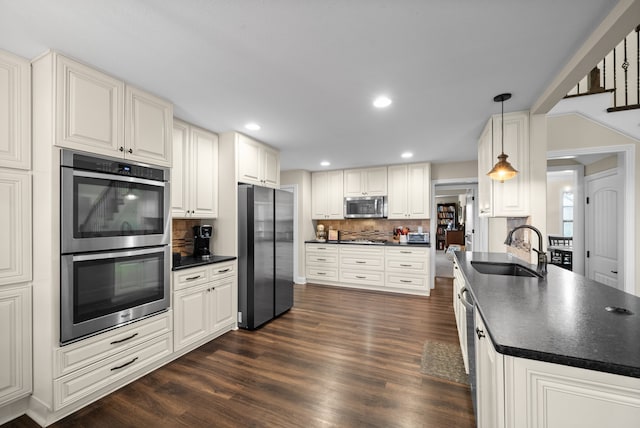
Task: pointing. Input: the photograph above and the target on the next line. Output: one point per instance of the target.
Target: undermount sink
(510, 269)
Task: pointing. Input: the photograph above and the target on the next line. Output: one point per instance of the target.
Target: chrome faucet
(542, 256)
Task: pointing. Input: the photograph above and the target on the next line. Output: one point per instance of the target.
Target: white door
(604, 234)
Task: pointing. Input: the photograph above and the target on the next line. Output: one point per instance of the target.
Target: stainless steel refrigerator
(265, 254)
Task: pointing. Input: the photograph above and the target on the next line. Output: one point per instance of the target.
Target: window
(567, 213)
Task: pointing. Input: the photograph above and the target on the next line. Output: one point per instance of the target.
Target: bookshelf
(447, 219)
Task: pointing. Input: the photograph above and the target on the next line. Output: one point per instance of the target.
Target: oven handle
(114, 254)
(113, 177)
(464, 301)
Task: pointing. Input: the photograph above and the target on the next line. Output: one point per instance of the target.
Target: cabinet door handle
(224, 270)
(480, 333)
(130, 150)
(614, 271)
(115, 342)
(361, 277)
(125, 364)
(121, 149)
(459, 296)
(191, 278)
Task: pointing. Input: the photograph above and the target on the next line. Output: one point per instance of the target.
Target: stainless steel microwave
(365, 207)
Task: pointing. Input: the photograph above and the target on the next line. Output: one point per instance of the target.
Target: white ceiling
(307, 71)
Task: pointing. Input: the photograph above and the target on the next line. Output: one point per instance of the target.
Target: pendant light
(502, 170)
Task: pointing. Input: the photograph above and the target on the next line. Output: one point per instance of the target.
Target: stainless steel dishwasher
(467, 300)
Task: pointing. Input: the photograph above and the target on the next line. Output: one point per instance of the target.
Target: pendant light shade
(502, 170)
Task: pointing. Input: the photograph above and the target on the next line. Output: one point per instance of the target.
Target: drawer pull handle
(406, 281)
(115, 342)
(405, 252)
(321, 273)
(361, 277)
(224, 270)
(405, 265)
(321, 260)
(125, 364)
(480, 333)
(459, 296)
(191, 278)
(360, 262)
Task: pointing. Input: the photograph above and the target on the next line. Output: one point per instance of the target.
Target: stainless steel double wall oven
(114, 236)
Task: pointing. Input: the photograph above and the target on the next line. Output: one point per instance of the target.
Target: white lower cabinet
(523, 393)
(203, 302)
(407, 268)
(489, 378)
(105, 360)
(15, 343)
(396, 269)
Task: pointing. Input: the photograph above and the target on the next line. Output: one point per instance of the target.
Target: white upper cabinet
(194, 176)
(365, 182)
(326, 195)
(148, 124)
(15, 111)
(257, 163)
(409, 191)
(97, 113)
(510, 198)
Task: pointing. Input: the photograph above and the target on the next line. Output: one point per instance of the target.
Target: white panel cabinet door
(221, 295)
(204, 179)
(490, 380)
(397, 200)
(89, 109)
(365, 182)
(249, 162)
(409, 188)
(148, 127)
(271, 167)
(485, 163)
(376, 181)
(180, 170)
(511, 198)
(191, 307)
(15, 343)
(15, 111)
(15, 227)
(326, 195)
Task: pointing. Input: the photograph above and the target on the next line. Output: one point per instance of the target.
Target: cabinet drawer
(190, 277)
(408, 251)
(368, 278)
(365, 262)
(408, 265)
(327, 274)
(222, 270)
(400, 280)
(363, 250)
(78, 385)
(80, 354)
(322, 248)
(321, 259)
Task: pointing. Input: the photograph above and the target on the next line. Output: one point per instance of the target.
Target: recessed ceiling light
(325, 163)
(252, 126)
(407, 155)
(382, 102)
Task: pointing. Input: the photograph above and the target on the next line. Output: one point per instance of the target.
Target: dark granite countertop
(189, 262)
(559, 319)
(380, 244)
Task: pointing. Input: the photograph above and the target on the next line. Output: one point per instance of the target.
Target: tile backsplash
(182, 235)
(371, 228)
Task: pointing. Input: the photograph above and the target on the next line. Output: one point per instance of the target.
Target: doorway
(454, 222)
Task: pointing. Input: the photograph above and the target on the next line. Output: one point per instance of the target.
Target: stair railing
(618, 73)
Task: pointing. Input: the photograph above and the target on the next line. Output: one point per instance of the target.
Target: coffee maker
(201, 237)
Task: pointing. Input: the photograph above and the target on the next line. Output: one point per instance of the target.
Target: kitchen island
(561, 350)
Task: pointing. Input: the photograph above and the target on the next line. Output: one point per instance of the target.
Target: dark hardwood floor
(340, 357)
